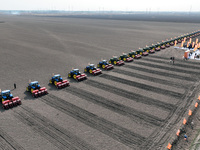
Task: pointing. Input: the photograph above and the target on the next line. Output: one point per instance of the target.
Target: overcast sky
(124, 5)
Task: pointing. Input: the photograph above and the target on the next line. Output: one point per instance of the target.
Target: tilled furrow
(57, 135)
(118, 133)
(131, 95)
(179, 60)
(179, 64)
(149, 78)
(166, 68)
(142, 86)
(160, 73)
(9, 141)
(116, 107)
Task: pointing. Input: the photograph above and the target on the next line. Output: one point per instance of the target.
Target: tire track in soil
(131, 95)
(165, 68)
(110, 129)
(55, 134)
(179, 60)
(116, 107)
(8, 141)
(160, 73)
(149, 78)
(184, 65)
(158, 140)
(142, 86)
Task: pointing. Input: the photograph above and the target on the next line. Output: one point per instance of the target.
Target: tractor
(114, 60)
(92, 70)
(134, 55)
(105, 65)
(157, 47)
(125, 58)
(149, 49)
(35, 89)
(142, 52)
(167, 43)
(58, 81)
(78, 76)
(8, 101)
(162, 45)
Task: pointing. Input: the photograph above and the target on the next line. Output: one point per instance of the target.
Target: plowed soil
(134, 106)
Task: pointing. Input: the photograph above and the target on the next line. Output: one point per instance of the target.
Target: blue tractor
(8, 101)
(35, 89)
(77, 75)
(92, 69)
(58, 81)
(105, 65)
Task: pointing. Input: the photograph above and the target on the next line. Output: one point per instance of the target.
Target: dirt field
(135, 106)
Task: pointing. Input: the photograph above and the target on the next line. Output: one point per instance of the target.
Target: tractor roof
(34, 82)
(57, 75)
(91, 65)
(75, 69)
(5, 91)
(104, 60)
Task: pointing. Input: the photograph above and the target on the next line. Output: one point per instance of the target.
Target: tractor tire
(140, 53)
(27, 89)
(32, 90)
(2, 99)
(133, 56)
(74, 76)
(98, 66)
(124, 59)
(119, 58)
(103, 66)
(50, 81)
(147, 51)
(55, 83)
(129, 55)
(115, 62)
(110, 62)
(85, 70)
(69, 75)
(90, 71)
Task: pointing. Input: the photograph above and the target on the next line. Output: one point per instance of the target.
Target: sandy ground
(135, 106)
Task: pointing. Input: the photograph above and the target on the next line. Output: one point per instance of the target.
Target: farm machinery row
(8, 101)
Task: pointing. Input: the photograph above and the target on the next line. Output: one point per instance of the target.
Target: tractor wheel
(85, 70)
(27, 89)
(50, 81)
(55, 83)
(90, 71)
(110, 62)
(147, 51)
(129, 55)
(69, 75)
(2, 99)
(133, 56)
(140, 53)
(119, 58)
(32, 90)
(115, 62)
(103, 66)
(74, 76)
(124, 59)
(98, 66)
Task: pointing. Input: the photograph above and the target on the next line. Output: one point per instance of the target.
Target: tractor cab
(57, 78)
(34, 85)
(6, 95)
(76, 72)
(104, 62)
(91, 66)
